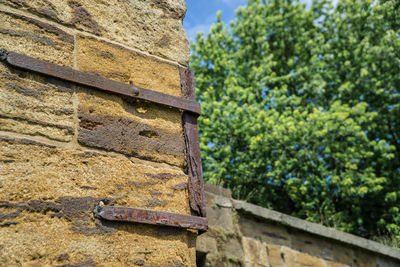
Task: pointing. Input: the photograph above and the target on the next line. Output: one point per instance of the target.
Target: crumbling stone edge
(298, 224)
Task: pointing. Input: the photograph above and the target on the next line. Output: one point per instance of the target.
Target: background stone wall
(65, 148)
(242, 234)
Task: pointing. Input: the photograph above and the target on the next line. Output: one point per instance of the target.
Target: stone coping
(309, 227)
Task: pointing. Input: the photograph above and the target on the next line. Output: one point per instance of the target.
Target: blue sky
(201, 14)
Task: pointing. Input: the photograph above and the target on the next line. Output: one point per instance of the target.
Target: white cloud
(192, 31)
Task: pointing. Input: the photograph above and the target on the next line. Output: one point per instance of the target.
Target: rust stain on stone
(164, 176)
(169, 11)
(155, 193)
(164, 41)
(78, 210)
(156, 202)
(89, 262)
(68, 130)
(149, 134)
(45, 26)
(37, 38)
(24, 141)
(88, 124)
(83, 17)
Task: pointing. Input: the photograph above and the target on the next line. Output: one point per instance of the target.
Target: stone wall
(242, 234)
(65, 148)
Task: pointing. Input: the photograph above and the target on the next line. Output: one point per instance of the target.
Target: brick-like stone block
(364, 258)
(313, 245)
(255, 251)
(220, 217)
(268, 232)
(206, 244)
(153, 26)
(334, 264)
(35, 38)
(303, 259)
(124, 65)
(64, 233)
(343, 254)
(288, 256)
(232, 248)
(35, 105)
(137, 129)
(32, 171)
(275, 257)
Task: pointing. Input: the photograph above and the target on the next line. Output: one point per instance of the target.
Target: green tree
(301, 110)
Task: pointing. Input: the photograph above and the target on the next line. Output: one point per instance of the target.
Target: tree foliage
(301, 110)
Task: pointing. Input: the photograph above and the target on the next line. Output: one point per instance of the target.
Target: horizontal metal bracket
(122, 214)
(98, 82)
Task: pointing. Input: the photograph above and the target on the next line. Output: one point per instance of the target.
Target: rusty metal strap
(98, 82)
(123, 214)
(191, 134)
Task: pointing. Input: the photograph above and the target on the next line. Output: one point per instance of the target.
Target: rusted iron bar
(98, 82)
(123, 214)
(191, 134)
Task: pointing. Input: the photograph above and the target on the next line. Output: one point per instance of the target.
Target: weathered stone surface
(255, 251)
(288, 256)
(274, 255)
(35, 38)
(222, 202)
(33, 171)
(220, 217)
(233, 248)
(343, 254)
(124, 65)
(315, 229)
(210, 202)
(35, 105)
(334, 264)
(137, 129)
(270, 233)
(302, 259)
(361, 258)
(385, 262)
(206, 244)
(312, 245)
(31, 241)
(153, 26)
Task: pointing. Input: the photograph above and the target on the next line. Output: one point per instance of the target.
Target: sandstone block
(312, 245)
(302, 259)
(124, 65)
(364, 258)
(138, 129)
(232, 248)
(32, 171)
(35, 38)
(209, 199)
(268, 232)
(254, 251)
(288, 256)
(274, 255)
(153, 26)
(206, 244)
(343, 254)
(35, 105)
(220, 217)
(334, 264)
(64, 233)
